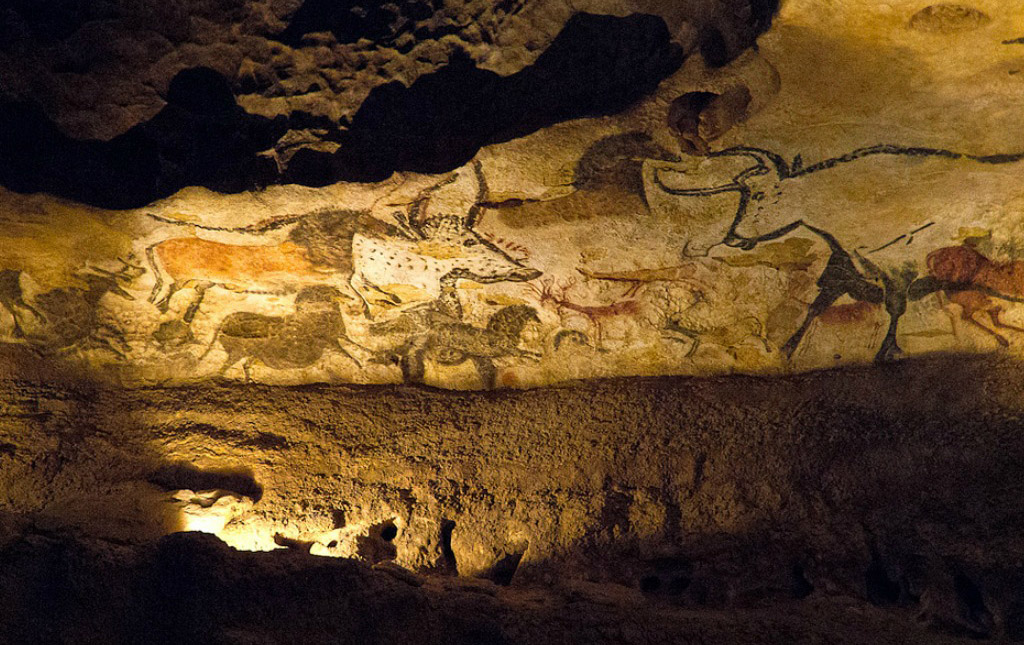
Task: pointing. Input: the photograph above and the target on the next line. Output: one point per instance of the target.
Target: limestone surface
(666, 212)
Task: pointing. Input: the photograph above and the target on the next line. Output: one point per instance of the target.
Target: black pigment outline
(840, 276)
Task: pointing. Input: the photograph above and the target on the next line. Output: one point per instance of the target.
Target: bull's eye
(470, 242)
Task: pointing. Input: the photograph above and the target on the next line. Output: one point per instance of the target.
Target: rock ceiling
(478, 195)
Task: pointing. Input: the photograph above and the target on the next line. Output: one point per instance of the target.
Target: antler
(544, 291)
(567, 285)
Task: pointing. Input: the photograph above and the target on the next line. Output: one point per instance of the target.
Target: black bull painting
(875, 208)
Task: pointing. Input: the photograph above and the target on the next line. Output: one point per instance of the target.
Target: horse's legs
(488, 373)
(994, 314)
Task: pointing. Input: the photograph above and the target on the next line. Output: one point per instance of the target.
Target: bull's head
(750, 174)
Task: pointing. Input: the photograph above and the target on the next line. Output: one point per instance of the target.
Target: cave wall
(739, 283)
(860, 505)
(640, 195)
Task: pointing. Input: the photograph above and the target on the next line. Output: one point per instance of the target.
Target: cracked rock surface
(893, 491)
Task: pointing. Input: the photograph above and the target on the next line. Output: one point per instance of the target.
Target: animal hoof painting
(731, 213)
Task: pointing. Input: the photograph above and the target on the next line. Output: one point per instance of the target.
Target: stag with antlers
(555, 296)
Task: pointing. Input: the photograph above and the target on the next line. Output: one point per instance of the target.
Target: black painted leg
(826, 297)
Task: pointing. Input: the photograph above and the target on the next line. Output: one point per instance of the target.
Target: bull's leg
(18, 331)
(154, 267)
(35, 312)
(760, 334)
(116, 333)
(246, 367)
(487, 371)
(354, 282)
(890, 349)
(105, 344)
(163, 303)
(825, 299)
(896, 294)
(341, 348)
(411, 362)
(228, 362)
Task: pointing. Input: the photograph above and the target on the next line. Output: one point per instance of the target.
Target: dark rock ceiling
(118, 103)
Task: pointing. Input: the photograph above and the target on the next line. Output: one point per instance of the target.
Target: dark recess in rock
(597, 65)
(350, 20)
(201, 137)
(881, 589)
(762, 12)
(972, 606)
(187, 476)
(713, 48)
(53, 19)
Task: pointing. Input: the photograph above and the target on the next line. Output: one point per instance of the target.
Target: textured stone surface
(757, 216)
(896, 487)
(191, 588)
(91, 84)
(230, 230)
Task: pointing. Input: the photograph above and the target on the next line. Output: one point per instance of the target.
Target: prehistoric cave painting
(447, 308)
(698, 118)
(607, 182)
(765, 177)
(350, 250)
(285, 342)
(637, 279)
(66, 319)
(730, 336)
(974, 282)
(454, 343)
(436, 331)
(557, 297)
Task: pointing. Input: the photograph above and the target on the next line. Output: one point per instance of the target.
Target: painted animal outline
(67, 318)
(13, 300)
(447, 308)
(433, 246)
(969, 279)
(548, 293)
(456, 343)
(758, 186)
(297, 340)
(332, 248)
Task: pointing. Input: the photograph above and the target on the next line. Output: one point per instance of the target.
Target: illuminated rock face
(237, 237)
(792, 209)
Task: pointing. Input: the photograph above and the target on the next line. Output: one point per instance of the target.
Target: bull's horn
(693, 192)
